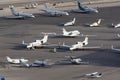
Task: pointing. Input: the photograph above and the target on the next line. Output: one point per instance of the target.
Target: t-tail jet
(94, 24)
(37, 43)
(94, 75)
(16, 61)
(70, 23)
(85, 8)
(80, 45)
(54, 12)
(20, 15)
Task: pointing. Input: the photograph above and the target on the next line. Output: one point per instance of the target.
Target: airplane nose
(32, 16)
(96, 11)
(67, 14)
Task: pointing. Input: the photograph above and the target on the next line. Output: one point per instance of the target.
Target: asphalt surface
(104, 60)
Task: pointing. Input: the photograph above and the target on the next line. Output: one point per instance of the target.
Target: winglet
(23, 42)
(112, 47)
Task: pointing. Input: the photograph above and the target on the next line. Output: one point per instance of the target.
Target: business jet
(37, 63)
(95, 24)
(20, 15)
(116, 26)
(94, 75)
(115, 49)
(79, 45)
(37, 43)
(54, 12)
(65, 33)
(86, 9)
(74, 60)
(16, 61)
(70, 23)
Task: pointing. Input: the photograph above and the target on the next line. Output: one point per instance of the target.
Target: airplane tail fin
(79, 4)
(12, 10)
(9, 59)
(45, 7)
(118, 35)
(99, 21)
(86, 40)
(45, 38)
(112, 47)
(23, 42)
(64, 31)
(74, 19)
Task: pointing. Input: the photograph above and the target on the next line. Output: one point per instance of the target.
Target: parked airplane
(74, 33)
(75, 60)
(115, 49)
(70, 33)
(70, 23)
(20, 15)
(85, 8)
(54, 12)
(16, 61)
(80, 45)
(94, 75)
(95, 24)
(37, 43)
(37, 63)
(116, 26)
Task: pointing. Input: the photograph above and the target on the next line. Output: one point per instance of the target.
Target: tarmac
(13, 32)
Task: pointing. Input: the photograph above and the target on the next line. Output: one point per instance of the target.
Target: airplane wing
(15, 17)
(49, 45)
(68, 47)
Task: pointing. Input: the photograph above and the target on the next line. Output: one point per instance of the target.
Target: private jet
(16, 61)
(79, 45)
(70, 34)
(20, 15)
(37, 43)
(116, 26)
(37, 63)
(86, 9)
(74, 60)
(94, 75)
(95, 24)
(70, 23)
(54, 12)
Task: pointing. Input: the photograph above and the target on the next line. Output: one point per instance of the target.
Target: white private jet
(79, 45)
(95, 24)
(37, 63)
(94, 75)
(20, 15)
(116, 26)
(71, 34)
(54, 12)
(16, 61)
(118, 50)
(75, 60)
(70, 23)
(37, 43)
